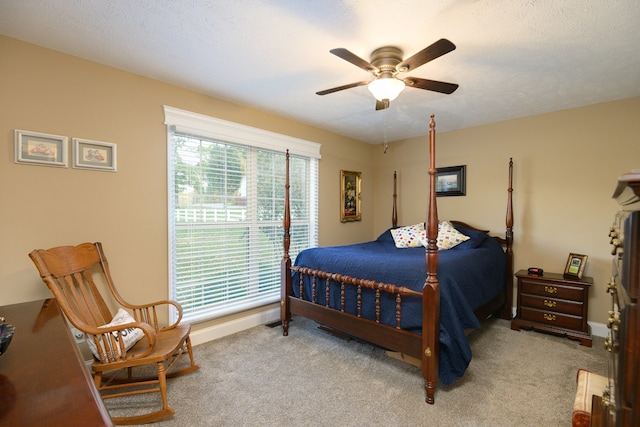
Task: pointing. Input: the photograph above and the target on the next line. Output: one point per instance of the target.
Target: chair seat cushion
(588, 385)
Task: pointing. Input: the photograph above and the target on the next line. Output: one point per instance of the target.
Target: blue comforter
(469, 275)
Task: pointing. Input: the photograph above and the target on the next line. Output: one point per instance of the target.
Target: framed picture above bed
(451, 181)
(350, 197)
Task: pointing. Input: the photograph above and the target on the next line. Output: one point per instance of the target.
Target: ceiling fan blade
(354, 59)
(427, 54)
(433, 85)
(336, 89)
(381, 105)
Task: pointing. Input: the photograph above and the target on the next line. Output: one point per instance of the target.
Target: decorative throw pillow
(448, 236)
(130, 335)
(588, 385)
(410, 236)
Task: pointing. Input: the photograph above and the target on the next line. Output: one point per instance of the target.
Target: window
(226, 205)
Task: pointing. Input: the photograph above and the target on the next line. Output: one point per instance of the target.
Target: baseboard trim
(599, 329)
(214, 332)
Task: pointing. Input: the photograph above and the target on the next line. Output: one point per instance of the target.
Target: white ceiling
(514, 58)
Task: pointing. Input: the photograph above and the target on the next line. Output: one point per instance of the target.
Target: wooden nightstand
(555, 304)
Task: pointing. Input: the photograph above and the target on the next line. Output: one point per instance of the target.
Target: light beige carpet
(310, 378)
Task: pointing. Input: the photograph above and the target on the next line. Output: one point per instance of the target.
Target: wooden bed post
(285, 265)
(394, 213)
(507, 311)
(431, 289)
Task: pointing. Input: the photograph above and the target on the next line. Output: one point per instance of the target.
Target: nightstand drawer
(552, 304)
(552, 319)
(552, 290)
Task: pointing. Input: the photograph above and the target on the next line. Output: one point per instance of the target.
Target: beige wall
(566, 166)
(45, 91)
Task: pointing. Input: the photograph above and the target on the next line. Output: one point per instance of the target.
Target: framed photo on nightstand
(575, 266)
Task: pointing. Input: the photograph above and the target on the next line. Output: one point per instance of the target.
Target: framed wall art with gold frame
(350, 196)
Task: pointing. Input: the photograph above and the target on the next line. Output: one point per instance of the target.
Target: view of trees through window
(227, 211)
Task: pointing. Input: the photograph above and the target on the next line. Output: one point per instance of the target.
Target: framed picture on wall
(40, 148)
(97, 155)
(451, 181)
(350, 197)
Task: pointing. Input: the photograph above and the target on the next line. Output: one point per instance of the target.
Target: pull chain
(386, 143)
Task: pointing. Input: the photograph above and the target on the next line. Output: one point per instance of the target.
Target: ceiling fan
(386, 63)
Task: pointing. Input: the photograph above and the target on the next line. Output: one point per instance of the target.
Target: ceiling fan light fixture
(386, 88)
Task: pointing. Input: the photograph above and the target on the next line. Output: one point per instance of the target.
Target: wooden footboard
(373, 331)
(424, 346)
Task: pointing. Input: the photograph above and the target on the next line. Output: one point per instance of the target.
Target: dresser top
(628, 189)
(556, 277)
(43, 379)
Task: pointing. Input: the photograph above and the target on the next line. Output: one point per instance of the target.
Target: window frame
(181, 121)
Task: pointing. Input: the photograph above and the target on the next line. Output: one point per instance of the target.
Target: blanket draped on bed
(469, 275)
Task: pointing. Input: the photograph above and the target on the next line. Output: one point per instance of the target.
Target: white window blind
(226, 209)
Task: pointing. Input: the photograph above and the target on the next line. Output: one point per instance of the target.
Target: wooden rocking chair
(69, 272)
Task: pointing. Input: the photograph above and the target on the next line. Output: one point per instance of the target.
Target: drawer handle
(550, 304)
(550, 317)
(551, 289)
(608, 344)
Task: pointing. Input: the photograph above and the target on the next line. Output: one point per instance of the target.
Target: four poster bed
(391, 298)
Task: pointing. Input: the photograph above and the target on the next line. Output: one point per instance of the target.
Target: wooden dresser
(43, 378)
(620, 403)
(555, 304)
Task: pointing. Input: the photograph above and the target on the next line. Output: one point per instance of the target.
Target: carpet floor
(311, 378)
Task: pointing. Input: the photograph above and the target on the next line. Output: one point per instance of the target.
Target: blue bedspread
(469, 275)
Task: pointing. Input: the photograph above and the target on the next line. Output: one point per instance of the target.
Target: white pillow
(410, 236)
(130, 335)
(448, 236)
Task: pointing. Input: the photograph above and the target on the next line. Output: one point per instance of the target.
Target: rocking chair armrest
(148, 330)
(147, 313)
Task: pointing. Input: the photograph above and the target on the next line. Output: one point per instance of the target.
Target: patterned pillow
(130, 335)
(448, 236)
(410, 236)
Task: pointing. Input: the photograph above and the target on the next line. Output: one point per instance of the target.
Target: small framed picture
(40, 149)
(451, 181)
(97, 155)
(575, 266)
(350, 187)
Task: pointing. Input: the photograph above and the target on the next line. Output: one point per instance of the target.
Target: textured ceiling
(513, 58)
